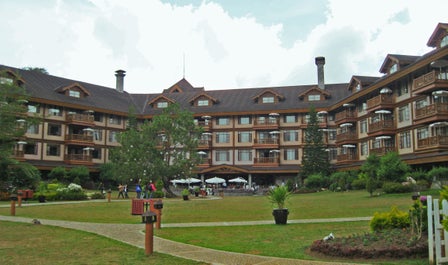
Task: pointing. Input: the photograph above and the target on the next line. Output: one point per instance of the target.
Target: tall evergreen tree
(315, 157)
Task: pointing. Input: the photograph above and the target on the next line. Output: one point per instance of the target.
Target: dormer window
(6, 80)
(444, 41)
(358, 87)
(393, 68)
(268, 99)
(313, 97)
(203, 102)
(74, 93)
(162, 104)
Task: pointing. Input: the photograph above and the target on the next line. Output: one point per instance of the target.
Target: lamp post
(158, 206)
(149, 218)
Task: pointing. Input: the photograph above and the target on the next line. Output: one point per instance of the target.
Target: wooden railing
(381, 125)
(266, 141)
(79, 137)
(80, 117)
(346, 114)
(382, 99)
(432, 141)
(266, 122)
(266, 160)
(382, 150)
(346, 136)
(430, 110)
(78, 157)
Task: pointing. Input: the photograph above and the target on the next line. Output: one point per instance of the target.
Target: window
(54, 111)
(223, 121)
(96, 153)
(244, 137)
(405, 140)
(291, 154)
(444, 42)
(313, 97)
(244, 120)
(162, 104)
(358, 87)
(393, 68)
(332, 154)
(403, 113)
(33, 129)
(98, 117)
(98, 135)
(332, 135)
(403, 88)
(307, 118)
(33, 108)
(245, 155)
(364, 106)
(421, 104)
(290, 136)
(422, 133)
(290, 118)
(222, 156)
(222, 137)
(114, 119)
(53, 150)
(30, 149)
(6, 80)
(364, 148)
(363, 126)
(268, 99)
(75, 94)
(203, 102)
(113, 135)
(54, 129)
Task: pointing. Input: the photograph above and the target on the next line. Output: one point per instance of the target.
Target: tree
(315, 157)
(13, 121)
(392, 168)
(370, 174)
(36, 69)
(162, 149)
(58, 173)
(79, 175)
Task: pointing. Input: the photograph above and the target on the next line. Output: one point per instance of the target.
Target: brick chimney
(120, 80)
(320, 62)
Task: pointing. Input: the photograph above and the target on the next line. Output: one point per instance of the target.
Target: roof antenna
(183, 73)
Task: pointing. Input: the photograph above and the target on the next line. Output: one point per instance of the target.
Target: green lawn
(289, 241)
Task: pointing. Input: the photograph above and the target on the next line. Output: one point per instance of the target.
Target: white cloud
(89, 40)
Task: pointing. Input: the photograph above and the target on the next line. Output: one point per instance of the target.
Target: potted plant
(278, 196)
(41, 192)
(185, 194)
(197, 190)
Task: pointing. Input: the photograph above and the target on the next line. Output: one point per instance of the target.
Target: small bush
(359, 184)
(97, 196)
(393, 187)
(390, 220)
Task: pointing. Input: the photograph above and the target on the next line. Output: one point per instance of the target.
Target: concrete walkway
(133, 234)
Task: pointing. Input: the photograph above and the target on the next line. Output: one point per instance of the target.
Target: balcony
(78, 159)
(266, 124)
(433, 143)
(205, 162)
(431, 113)
(429, 82)
(346, 137)
(266, 161)
(80, 139)
(382, 101)
(380, 151)
(206, 125)
(19, 155)
(80, 119)
(347, 115)
(267, 143)
(204, 144)
(381, 127)
(347, 158)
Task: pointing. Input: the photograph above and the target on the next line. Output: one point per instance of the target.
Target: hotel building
(256, 133)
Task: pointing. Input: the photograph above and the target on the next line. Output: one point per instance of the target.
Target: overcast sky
(216, 44)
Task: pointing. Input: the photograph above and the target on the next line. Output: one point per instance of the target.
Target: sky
(215, 44)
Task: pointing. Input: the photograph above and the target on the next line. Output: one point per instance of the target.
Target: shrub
(393, 187)
(390, 220)
(97, 195)
(316, 181)
(359, 184)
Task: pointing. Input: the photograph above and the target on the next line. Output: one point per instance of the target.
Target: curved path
(133, 234)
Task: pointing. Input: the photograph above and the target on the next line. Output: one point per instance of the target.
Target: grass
(289, 241)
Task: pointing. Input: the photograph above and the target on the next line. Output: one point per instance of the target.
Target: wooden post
(13, 208)
(149, 239)
(109, 192)
(159, 217)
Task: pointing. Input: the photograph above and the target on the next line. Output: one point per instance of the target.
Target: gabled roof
(161, 97)
(182, 86)
(365, 81)
(402, 60)
(75, 84)
(203, 94)
(14, 76)
(439, 32)
(266, 91)
(317, 89)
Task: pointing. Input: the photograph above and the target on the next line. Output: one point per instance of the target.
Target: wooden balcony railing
(382, 100)
(433, 141)
(382, 150)
(266, 141)
(79, 137)
(76, 117)
(432, 79)
(78, 157)
(266, 160)
(346, 136)
(347, 114)
(430, 110)
(351, 156)
(18, 153)
(204, 143)
(381, 125)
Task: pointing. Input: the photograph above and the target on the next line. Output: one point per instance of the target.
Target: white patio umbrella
(192, 180)
(178, 181)
(238, 180)
(215, 180)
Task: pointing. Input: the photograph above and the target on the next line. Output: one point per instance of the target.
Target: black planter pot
(41, 198)
(185, 197)
(280, 216)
